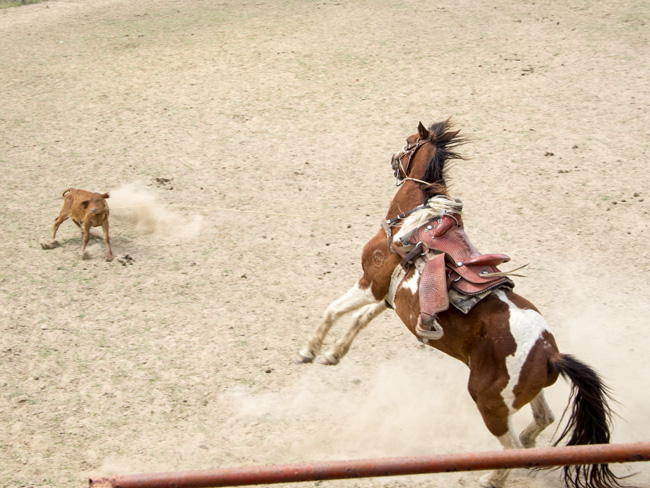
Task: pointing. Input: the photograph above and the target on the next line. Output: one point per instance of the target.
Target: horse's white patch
(412, 283)
(526, 326)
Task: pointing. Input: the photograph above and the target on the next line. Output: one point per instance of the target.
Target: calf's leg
(86, 238)
(63, 216)
(109, 252)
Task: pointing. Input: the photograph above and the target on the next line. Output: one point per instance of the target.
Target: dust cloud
(417, 403)
(413, 404)
(137, 205)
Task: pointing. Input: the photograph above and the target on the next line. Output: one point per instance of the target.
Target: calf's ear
(85, 203)
(105, 195)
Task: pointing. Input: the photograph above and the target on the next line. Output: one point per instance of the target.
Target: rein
(399, 168)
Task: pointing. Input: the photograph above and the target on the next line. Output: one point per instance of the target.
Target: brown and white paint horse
(510, 351)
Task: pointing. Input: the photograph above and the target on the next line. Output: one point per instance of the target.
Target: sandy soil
(247, 145)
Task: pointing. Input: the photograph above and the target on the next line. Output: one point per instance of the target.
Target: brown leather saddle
(452, 263)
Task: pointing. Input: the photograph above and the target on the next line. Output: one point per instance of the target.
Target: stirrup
(432, 335)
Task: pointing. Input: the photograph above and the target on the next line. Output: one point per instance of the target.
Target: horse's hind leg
(497, 478)
(497, 416)
(355, 298)
(542, 418)
(361, 319)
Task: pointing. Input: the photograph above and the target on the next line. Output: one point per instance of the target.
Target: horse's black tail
(589, 421)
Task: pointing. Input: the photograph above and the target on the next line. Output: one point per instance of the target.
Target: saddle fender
(434, 297)
(452, 262)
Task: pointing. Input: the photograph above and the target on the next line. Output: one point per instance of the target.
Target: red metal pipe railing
(366, 468)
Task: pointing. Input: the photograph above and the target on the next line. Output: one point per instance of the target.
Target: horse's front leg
(354, 299)
(378, 265)
(361, 319)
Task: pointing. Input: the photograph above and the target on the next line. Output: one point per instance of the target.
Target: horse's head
(423, 159)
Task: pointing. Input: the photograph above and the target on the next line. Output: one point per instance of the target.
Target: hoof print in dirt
(164, 183)
(125, 260)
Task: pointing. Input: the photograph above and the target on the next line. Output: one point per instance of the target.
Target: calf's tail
(68, 190)
(589, 422)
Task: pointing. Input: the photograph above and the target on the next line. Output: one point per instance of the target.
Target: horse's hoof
(486, 481)
(527, 443)
(302, 359)
(328, 359)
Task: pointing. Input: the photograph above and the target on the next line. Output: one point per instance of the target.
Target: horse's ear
(423, 132)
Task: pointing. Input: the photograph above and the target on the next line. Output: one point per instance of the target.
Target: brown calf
(89, 209)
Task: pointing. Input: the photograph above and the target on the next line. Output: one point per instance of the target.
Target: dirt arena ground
(247, 147)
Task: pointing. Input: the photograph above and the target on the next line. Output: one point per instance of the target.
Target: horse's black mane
(445, 139)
